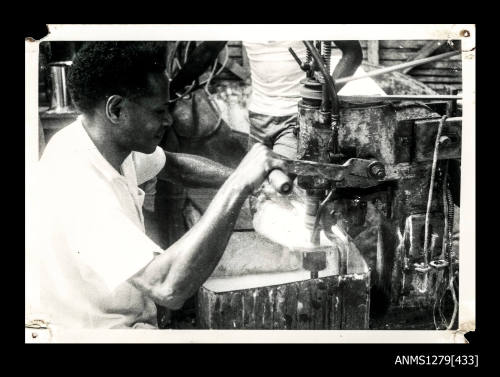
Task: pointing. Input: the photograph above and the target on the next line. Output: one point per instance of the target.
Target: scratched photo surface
(365, 233)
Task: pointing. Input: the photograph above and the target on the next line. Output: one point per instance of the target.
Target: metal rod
(398, 67)
(423, 97)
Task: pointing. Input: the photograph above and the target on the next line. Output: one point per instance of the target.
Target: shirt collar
(97, 158)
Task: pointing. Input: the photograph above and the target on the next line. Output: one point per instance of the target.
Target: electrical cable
(226, 59)
(212, 75)
(429, 203)
(451, 286)
(176, 61)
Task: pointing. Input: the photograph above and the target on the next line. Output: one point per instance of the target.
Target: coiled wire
(326, 52)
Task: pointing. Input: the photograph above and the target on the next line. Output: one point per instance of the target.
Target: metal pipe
(198, 61)
(398, 67)
(60, 101)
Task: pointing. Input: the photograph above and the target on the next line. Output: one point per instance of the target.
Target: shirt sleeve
(147, 166)
(108, 241)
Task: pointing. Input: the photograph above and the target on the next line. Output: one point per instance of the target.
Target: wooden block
(354, 306)
(234, 51)
(286, 300)
(424, 52)
(439, 79)
(248, 309)
(407, 44)
(416, 230)
(238, 320)
(333, 305)
(444, 88)
(396, 54)
(244, 57)
(403, 137)
(325, 303)
(428, 49)
(405, 54)
(373, 52)
(304, 309)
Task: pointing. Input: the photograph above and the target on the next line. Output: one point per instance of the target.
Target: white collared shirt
(87, 234)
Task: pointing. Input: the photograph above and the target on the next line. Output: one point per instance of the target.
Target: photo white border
(467, 275)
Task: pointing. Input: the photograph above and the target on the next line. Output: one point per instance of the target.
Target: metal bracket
(355, 172)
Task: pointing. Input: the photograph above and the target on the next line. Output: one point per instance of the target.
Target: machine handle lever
(280, 181)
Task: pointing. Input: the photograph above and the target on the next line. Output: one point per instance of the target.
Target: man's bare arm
(195, 171)
(174, 276)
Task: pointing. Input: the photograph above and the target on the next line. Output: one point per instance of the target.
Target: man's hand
(255, 167)
(175, 275)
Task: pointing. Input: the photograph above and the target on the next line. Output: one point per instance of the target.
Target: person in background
(276, 80)
(98, 269)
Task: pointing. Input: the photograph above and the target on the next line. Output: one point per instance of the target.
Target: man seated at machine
(98, 269)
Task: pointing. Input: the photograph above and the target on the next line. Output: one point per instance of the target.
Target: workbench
(287, 299)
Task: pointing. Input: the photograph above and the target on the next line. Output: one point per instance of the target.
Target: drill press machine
(372, 149)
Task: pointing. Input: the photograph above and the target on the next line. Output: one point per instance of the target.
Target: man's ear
(113, 108)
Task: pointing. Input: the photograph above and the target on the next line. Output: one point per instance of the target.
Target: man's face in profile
(147, 116)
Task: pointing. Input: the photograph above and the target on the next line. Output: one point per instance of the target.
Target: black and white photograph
(303, 180)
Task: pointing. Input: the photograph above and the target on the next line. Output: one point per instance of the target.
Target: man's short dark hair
(101, 69)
